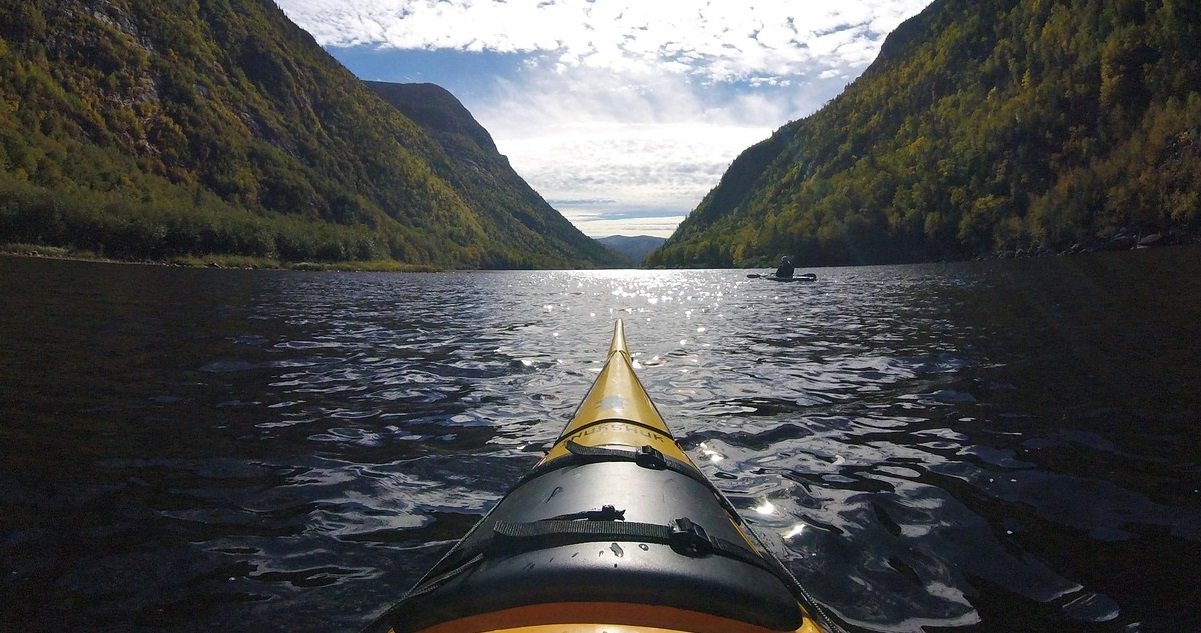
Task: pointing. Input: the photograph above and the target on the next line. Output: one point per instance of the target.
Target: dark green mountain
(155, 130)
(981, 127)
(486, 179)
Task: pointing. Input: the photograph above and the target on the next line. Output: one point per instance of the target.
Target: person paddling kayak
(786, 272)
(786, 268)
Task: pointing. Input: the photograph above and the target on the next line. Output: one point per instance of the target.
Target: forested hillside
(1014, 125)
(155, 130)
(487, 181)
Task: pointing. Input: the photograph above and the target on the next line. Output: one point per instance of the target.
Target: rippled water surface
(971, 447)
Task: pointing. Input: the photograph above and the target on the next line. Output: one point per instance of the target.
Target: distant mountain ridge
(637, 248)
(981, 128)
(144, 130)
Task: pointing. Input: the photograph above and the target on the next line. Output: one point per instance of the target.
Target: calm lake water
(969, 447)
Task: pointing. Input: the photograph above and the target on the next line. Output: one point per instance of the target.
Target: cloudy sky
(623, 114)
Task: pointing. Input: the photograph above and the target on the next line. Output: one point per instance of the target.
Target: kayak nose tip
(619, 339)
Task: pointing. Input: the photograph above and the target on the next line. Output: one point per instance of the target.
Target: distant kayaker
(786, 268)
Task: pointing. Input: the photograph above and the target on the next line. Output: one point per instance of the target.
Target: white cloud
(638, 101)
(664, 167)
(653, 226)
(653, 146)
(720, 41)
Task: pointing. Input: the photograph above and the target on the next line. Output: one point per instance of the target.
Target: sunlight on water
(795, 530)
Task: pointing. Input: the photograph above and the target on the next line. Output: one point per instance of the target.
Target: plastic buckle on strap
(650, 457)
(689, 538)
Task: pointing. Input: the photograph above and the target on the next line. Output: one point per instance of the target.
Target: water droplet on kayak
(617, 551)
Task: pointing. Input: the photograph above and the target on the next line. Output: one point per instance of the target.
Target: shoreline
(223, 262)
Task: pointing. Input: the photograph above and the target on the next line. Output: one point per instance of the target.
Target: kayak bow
(614, 530)
(773, 277)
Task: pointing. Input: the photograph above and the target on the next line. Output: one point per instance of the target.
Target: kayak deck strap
(430, 584)
(646, 456)
(649, 457)
(684, 536)
(478, 544)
